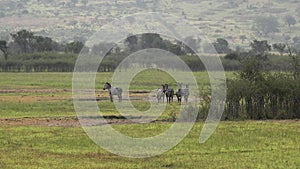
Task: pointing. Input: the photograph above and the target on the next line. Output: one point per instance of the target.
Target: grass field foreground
(49, 144)
(256, 144)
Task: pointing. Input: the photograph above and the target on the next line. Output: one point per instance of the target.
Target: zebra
(168, 92)
(180, 92)
(186, 93)
(159, 95)
(113, 91)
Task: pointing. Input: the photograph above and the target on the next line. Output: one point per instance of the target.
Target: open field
(256, 144)
(33, 95)
(39, 129)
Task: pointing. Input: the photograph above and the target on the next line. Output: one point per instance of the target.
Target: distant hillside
(78, 19)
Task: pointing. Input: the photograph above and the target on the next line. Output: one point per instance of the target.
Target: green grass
(245, 144)
(35, 81)
(143, 81)
(59, 103)
(36, 109)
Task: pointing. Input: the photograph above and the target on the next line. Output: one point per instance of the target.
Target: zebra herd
(160, 93)
(169, 93)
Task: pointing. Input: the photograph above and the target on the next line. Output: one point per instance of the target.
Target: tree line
(27, 52)
(31, 53)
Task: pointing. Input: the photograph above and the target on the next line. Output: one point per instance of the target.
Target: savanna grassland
(255, 144)
(39, 129)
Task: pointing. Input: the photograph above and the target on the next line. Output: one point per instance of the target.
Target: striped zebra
(113, 91)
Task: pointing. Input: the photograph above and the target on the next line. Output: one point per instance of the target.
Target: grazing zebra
(180, 92)
(186, 93)
(168, 92)
(159, 95)
(113, 91)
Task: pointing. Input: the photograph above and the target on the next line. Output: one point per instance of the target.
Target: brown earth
(74, 122)
(59, 122)
(65, 122)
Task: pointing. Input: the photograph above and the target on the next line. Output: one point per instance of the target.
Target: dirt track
(74, 122)
(55, 95)
(7, 122)
(61, 121)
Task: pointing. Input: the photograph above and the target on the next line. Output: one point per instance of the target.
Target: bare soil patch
(32, 99)
(67, 122)
(34, 91)
(74, 122)
(61, 122)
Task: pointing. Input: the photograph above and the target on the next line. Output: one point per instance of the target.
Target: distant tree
(191, 43)
(82, 39)
(239, 49)
(151, 40)
(232, 56)
(158, 42)
(74, 47)
(243, 38)
(24, 39)
(296, 39)
(290, 20)
(103, 48)
(221, 46)
(43, 44)
(132, 43)
(280, 47)
(266, 24)
(174, 47)
(4, 48)
(287, 38)
(295, 61)
(260, 47)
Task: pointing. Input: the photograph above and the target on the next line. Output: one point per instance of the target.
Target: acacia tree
(4, 48)
(24, 39)
(42, 44)
(280, 47)
(266, 24)
(74, 47)
(290, 20)
(221, 46)
(243, 38)
(260, 47)
(132, 43)
(151, 40)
